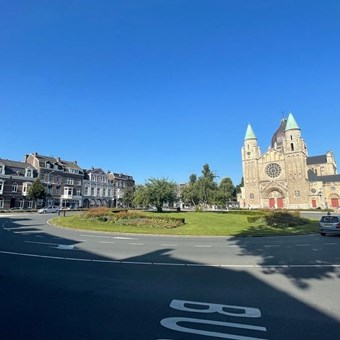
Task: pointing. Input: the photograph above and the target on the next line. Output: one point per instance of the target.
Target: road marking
(168, 245)
(136, 244)
(97, 236)
(125, 238)
(202, 245)
(110, 242)
(47, 243)
(330, 244)
(251, 266)
(271, 245)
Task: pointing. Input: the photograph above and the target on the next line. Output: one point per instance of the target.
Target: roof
(15, 167)
(326, 179)
(249, 133)
(321, 159)
(279, 134)
(291, 123)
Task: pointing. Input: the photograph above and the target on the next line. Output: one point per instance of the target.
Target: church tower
(295, 152)
(250, 155)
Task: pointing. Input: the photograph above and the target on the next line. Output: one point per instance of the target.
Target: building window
(273, 170)
(2, 169)
(29, 173)
(25, 187)
(69, 181)
(30, 204)
(297, 193)
(1, 187)
(1, 203)
(292, 146)
(251, 196)
(14, 187)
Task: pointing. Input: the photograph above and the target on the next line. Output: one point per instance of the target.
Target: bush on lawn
(284, 219)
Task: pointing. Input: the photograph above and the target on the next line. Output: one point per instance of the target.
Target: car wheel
(44, 212)
(322, 234)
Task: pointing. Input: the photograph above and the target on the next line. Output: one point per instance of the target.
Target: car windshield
(329, 219)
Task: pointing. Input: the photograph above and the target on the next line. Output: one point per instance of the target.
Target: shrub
(96, 212)
(253, 219)
(284, 219)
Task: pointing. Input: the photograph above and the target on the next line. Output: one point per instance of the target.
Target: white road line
(47, 243)
(136, 244)
(168, 245)
(330, 244)
(202, 245)
(271, 245)
(110, 242)
(250, 266)
(97, 236)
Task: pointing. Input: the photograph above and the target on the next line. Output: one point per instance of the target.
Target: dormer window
(2, 169)
(29, 173)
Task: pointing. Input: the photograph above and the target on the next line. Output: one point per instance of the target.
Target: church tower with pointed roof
(284, 177)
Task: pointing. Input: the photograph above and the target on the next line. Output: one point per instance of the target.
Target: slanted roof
(291, 123)
(15, 167)
(321, 159)
(279, 134)
(249, 133)
(325, 179)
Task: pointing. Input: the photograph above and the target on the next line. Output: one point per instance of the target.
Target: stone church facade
(285, 177)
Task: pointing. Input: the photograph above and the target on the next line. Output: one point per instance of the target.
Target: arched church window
(251, 196)
(297, 193)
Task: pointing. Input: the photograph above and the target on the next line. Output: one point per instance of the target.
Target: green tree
(156, 192)
(128, 196)
(207, 186)
(36, 191)
(189, 194)
(226, 192)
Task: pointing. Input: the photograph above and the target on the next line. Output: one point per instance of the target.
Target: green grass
(196, 224)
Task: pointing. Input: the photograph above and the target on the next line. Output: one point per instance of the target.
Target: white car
(48, 210)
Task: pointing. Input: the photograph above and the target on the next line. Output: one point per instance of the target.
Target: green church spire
(291, 123)
(249, 133)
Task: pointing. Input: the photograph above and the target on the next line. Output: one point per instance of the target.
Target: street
(59, 283)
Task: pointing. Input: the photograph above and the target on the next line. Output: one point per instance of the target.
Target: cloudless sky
(158, 88)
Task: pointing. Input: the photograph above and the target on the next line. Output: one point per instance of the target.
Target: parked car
(46, 210)
(329, 224)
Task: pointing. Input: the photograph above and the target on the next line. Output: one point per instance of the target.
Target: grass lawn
(196, 224)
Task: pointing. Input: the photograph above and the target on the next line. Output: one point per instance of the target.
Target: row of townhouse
(66, 183)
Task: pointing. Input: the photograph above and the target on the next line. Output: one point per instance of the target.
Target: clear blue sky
(158, 88)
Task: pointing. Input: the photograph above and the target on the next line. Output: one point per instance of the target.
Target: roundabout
(99, 285)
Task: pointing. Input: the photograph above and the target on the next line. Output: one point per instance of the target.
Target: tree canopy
(205, 191)
(156, 192)
(36, 191)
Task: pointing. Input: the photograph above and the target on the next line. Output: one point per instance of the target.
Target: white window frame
(15, 187)
(1, 203)
(1, 186)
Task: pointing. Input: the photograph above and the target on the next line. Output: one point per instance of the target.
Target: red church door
(272, 203)
(335, 202)
(313, 203)
(280, 202)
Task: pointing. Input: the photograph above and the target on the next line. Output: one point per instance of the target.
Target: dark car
(329, 224)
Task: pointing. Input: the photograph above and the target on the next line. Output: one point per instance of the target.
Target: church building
(285, 177)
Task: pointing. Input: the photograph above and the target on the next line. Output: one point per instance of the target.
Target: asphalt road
(61, 284)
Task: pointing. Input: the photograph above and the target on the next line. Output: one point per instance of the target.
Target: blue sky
(158, 88)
